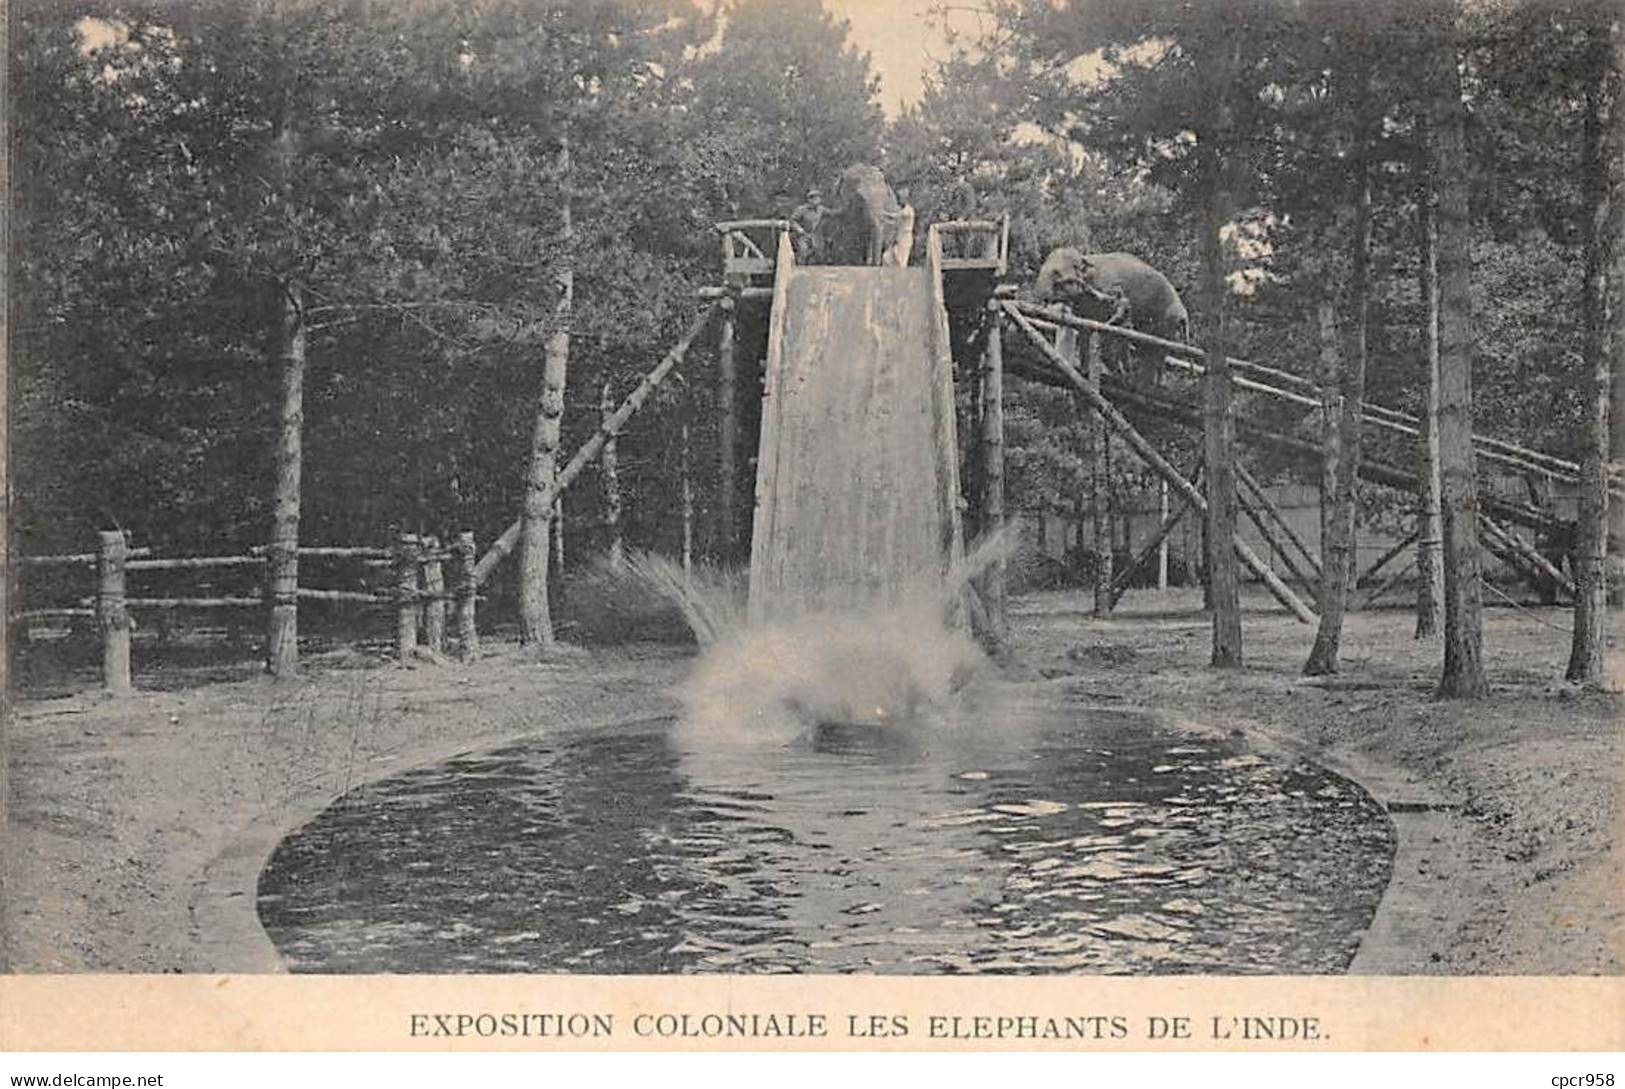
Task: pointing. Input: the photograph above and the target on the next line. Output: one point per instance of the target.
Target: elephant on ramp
(863, 224)
(1114, 287)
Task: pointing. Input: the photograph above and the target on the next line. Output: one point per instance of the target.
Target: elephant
(862, 225)
(1114, 287)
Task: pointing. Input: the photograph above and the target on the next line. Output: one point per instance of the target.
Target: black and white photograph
(895, 488)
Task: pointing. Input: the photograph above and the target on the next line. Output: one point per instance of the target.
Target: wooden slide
(857, 483)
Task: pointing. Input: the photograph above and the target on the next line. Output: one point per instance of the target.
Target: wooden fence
(431, 581)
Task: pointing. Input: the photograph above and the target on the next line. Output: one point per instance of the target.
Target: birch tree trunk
(535, 619)
(1463, 673)
(282, 560)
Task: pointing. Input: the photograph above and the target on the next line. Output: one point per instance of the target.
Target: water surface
(1091, 841)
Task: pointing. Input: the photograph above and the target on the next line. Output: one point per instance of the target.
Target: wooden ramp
(857, 480)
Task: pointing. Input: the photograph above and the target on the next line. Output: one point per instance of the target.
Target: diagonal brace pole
(608, 429)
(1120, 583)
(1256, 492)
(1148, 453)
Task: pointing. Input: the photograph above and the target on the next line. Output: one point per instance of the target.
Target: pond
(1083, 840)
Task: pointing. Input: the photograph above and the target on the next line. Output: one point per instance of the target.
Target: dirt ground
(1507, 809)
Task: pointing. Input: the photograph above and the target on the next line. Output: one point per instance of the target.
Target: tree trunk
(1615, 552)
(535, 619)
(1463, 672)
(1604, 151)
(1331, 425)
(282, 560)
(609, 475)
(1338, 553)
(1430, 531)
(1218, 424)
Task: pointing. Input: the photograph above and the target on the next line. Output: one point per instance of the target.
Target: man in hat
(804, 223)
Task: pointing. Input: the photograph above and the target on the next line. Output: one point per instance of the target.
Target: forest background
(414, 188)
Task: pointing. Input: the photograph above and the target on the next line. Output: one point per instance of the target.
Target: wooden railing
(429, 581)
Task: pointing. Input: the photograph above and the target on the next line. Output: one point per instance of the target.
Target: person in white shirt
(905, 230)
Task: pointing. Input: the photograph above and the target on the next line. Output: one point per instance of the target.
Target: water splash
(905, 664)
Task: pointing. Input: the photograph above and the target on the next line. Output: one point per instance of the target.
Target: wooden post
(994, 579)
(434, 597)
(468, 635)
(727, 437)
(112, 614)
(1100, 487)
(406, 596)
(1162, 542)
(609, 479)
(686, 486)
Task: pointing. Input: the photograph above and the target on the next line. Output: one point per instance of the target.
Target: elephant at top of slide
(863, 222)
(1114, 287)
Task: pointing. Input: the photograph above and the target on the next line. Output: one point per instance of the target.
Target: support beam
(993, 581)
(1158, 544)
(1147, 403)
(1305, 391)
(1387, 584)
(607, 429)
(727, 436)
(1384, 560)
(1533, 565)
(1267, 531)
(1158, 463)
(1162, 546)
(1100, 488)
(1267, 506)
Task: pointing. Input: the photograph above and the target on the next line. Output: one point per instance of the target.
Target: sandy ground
(1507, 809)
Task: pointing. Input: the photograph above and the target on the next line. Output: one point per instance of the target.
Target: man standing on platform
(905, 230)
(804, 223)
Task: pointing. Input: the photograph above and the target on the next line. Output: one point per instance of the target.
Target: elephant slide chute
(857, 478)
